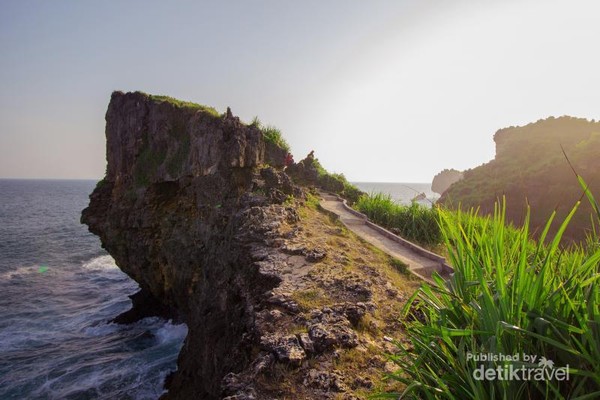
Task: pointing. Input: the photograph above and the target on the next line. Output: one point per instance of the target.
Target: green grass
(415, 222)
(544, 179)
(183, 104)
(271, 134)
(399, 266)
(310, 299)
(509, 295)
(336, 183)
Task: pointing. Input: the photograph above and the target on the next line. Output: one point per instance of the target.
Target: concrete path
(417, 263)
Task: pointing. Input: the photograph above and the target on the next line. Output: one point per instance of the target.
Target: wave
(23, 271)
(59, 290)
(102, 263)
(170, 332)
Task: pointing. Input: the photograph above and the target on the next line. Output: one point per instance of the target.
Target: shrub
(509, 295)
(415, 222)
(336, 183)
(271, 134)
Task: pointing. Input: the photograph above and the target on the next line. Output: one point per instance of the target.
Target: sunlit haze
(382, 91)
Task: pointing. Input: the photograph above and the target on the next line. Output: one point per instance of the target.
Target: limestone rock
(177, 212)
(326, 337)
(287, 349)
(443, 180)
(326, 381)
(306, 343)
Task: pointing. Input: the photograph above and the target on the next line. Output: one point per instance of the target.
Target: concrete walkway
(419, 264)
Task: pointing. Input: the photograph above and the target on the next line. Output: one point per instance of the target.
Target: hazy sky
(381, 90)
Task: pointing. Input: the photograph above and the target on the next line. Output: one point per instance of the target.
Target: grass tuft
(271, 134)
(415, 222)
(509, 295)
(183, 104)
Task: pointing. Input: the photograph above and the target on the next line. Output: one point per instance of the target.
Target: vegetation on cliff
(182, 103)
(310, 172)
(415, 222)
(509, 296)
(530, 168)
(282, 301)
(271, 134)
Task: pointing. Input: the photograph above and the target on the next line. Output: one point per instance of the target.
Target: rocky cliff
(530, 168)
(443, 180)
(195, 207)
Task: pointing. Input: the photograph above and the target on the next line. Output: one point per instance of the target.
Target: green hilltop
(530, 167)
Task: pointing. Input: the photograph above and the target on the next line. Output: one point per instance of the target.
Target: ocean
(58, 291)
(401, 192)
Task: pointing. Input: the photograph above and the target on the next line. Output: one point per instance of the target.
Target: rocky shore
(281, 301)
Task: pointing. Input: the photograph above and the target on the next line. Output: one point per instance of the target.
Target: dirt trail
(417, 263)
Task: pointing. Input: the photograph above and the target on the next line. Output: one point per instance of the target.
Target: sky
(382, 91)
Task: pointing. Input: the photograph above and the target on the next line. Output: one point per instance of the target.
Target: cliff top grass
(271, 134)
(337, 183)
(182, 103)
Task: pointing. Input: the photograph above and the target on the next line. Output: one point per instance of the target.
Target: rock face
(196, 208)
(176, 212)
(442, 181)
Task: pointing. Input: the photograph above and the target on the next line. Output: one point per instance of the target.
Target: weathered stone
(177, 213)
(286, 348)
(326, 337)
(353, 311)
(261, 364)
(189, 211)
(230, 382)
(284, 301)
(306, 343)
(240, 397)
(363, 382)
(359, 289)
(294, 249)
(390, 290)
(326, 381)
(315, 255)
(305, 171)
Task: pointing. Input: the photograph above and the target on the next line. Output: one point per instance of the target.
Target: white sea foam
(55, 342)
(20, 272)
(170, 332)
(101, 263)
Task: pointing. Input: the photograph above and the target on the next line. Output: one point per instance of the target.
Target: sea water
(58, 292)
(403, 193)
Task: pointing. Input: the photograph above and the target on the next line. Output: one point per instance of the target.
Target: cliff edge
(280, 300)
(444, 179)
